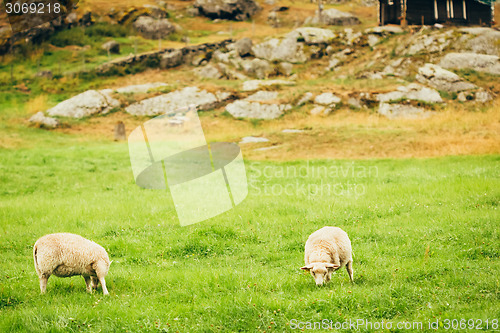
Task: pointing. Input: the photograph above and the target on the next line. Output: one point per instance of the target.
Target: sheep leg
(87, 283)
(103, 284)
(348, 266)
(43, 282)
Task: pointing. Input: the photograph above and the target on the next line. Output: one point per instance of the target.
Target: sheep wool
(328, 249)
(65, 254)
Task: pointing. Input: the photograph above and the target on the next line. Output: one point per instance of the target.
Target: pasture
(425, 235)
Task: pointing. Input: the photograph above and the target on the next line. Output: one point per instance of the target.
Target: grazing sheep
(65, 254)
(328, 249)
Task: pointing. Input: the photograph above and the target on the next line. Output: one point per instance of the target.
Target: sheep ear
(332, 266)
(307, 268)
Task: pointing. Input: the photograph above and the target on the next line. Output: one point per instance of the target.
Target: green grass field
(425, 235)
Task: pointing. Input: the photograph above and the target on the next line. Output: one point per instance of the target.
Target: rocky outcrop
(258, 68)
(287, 49)
(312, 35)
(238, 10)
(478, 62)
(333, 17)
(85, 104)
(442, 79)
(152, 28)
(411, 92)
(481, 40)
(39, 119)
(171, 102)
(261, 105)
(393, 111)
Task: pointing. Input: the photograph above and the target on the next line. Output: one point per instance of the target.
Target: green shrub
(103, 29)
(75, 36)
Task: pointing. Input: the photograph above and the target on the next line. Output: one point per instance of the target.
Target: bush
(106, 30)
(75, 36)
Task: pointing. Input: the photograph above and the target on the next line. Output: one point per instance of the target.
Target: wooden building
(429, 12)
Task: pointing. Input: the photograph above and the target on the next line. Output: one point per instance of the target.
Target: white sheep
(65, 255)
(328, 249)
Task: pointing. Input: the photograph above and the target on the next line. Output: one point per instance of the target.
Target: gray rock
(258, 68)
(412, 92)
(141, 88)
(230, 74)
(257, 84)
(208, 72)
(253, 139)
(393, 111)
(111, 46)
(285, 68)
(480, 96)
(426, 43)
(171, 59)
(256, 110)
(320, 110)
(287, 49)
(442, 79)
(478, 62)
(327, 98)
(373, 40)
(192, 12)
(238, 10)
(151, 28)
(244, 47)
(42, 121)
(307, 97)
(385, 30)
(312, 35)
(484, 40)
(334, 17)
(171, 102)
(45, 73)
(85, 104)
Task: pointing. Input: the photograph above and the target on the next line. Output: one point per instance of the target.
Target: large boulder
(478, 62)
(333, 17)
(171, 59)
(152, 28)
(261, 105)
(394, 111)
(238, 10)
(442, 79)
(411, 92)
(287, 49)
(85, 104)
(312, 35)
(258, 68)
(482, 40)
(171, 102)
(244, 47)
